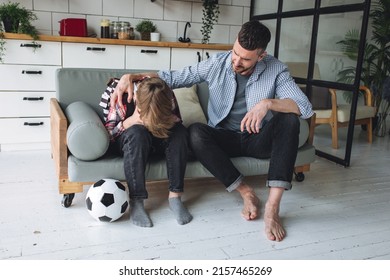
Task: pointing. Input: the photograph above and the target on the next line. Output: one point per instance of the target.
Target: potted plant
(376, 60)
(15, 19)
(145, 27)
(210, 17)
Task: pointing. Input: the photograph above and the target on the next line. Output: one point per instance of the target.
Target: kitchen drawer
(93, 56)
(185, 57)
(27, 77)
(24, 52)
(25, 104)
(181, 57)
(148, 58)
(24, 130)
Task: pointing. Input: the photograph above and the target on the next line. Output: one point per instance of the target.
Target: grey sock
(181, 213)
(138, 213)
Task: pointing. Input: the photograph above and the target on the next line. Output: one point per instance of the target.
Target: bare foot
(273, 227)
(251, 202)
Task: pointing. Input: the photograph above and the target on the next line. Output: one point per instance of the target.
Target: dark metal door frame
(309, 81)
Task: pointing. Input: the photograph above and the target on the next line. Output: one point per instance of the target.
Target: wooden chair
(339, 115)
(336, 115)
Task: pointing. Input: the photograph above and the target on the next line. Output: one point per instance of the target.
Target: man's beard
(243, 71)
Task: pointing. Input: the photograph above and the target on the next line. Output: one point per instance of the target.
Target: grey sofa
(80, 146)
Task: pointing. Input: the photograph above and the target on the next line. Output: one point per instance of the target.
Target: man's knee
(289, 122)
(194, 127)
(291, 118)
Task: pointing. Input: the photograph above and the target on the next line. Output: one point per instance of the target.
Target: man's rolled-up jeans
(277, 140)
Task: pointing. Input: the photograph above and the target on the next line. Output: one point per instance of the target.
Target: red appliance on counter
(73, 27)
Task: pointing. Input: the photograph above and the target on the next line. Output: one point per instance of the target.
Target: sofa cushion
(111, 166)
(189, 105)
(87, 138)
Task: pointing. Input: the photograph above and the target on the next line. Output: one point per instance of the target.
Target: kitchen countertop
(96, 40)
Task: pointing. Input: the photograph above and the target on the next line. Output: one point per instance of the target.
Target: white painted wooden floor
(337, 213)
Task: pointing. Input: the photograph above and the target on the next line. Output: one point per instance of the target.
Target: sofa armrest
(58, 129)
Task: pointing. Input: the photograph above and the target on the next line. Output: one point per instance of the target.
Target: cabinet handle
(149, 51)
(199, 58)
(32, 72)
(207, 55)
(96, 49)
(30, 46)
(33, 98)
(33, 123)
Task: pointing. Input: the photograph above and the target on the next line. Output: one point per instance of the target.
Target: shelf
(93, 40)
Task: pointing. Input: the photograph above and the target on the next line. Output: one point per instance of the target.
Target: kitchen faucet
(185, 39)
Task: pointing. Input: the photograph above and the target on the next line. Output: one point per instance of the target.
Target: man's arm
(252, 120)
(286, 105)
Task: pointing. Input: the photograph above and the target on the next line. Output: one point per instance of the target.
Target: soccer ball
(107, 200)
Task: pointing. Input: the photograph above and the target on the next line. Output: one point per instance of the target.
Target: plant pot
(381, 129)
(10, 25)
(155, 36)
(145, 36)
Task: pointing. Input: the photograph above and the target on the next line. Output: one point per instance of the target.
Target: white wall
(170, 16)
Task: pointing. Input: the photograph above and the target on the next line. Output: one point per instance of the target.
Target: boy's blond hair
(154, 102)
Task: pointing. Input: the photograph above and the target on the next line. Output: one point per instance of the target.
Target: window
(308, 31)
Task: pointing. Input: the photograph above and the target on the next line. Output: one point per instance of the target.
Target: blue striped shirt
(270, 79)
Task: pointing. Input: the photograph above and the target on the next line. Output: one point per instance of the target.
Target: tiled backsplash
(170, 16)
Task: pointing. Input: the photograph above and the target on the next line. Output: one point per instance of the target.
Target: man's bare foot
(273, 227)
(251, 202)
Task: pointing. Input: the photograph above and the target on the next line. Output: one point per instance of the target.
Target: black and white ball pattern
(107, 200)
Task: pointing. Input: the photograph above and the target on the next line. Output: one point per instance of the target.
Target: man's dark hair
(254, 35)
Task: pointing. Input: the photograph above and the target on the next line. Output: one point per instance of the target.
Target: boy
(147, 125)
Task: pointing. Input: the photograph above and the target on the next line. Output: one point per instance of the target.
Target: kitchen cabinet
(93, 55)
(27, 76)
(148, 58)
(181, 57)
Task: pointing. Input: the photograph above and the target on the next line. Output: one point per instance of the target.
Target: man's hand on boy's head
(125, 85)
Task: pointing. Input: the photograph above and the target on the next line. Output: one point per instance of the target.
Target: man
(253, 111)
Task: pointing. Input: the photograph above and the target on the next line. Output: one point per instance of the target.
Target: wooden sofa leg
(68, 189)
(302, 168)
(65, 186)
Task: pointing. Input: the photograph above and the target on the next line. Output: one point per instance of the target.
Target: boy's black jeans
(137, 145)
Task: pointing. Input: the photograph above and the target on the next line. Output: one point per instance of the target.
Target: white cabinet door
(25, 104)
(27, 77)
(24, 130)
(181, 57)
(148, 58)
(27, 84)
(93, 56)
(208, 53)
(28, 52)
